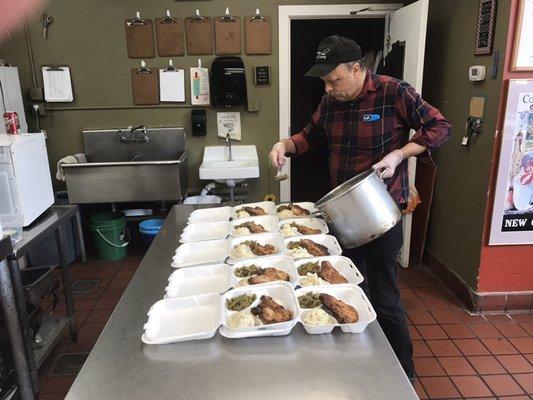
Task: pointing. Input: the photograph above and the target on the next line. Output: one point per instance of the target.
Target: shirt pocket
(373, 136)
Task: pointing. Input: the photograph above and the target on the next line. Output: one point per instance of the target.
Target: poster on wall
(523, 45)
(512, 214)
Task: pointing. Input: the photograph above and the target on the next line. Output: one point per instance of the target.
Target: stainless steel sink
(125, 166)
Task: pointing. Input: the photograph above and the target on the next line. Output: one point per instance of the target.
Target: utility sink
(217, 167)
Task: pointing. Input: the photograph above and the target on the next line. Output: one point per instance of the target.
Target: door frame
(285, 15)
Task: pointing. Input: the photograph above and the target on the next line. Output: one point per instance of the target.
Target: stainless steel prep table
(297, 366)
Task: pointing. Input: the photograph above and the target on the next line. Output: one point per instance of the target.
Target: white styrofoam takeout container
(198, 253)
(205, 231)
(343, 265)
(212, 214)
(219, 278)
(334, 248)
(199, 317)
(309, 206)
(268, 206)
(310, 222)
(350, 294)
(275, 239)
(269, 222)
(283, 263)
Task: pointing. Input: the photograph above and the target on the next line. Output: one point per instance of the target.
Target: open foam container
(218, 278)
(309, 206)
(309, 222)
(199, 317)
(268, 206)
(274, 239)
(268, 222)
(334, 248)
(343, 265)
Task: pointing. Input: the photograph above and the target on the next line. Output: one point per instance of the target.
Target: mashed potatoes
(241, 319)
(299, 252)
(317, 316)
(242, 214)
(310, 280)
(242, 282)
(287, 230)
(242, 231)
(285, 214)
(242, 251)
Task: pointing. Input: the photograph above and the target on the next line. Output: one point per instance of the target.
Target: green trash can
(109, 232)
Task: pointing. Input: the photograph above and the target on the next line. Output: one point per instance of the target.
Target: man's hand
(277, 155)
(386, 167)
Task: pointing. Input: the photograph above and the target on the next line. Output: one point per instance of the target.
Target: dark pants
(377, 262)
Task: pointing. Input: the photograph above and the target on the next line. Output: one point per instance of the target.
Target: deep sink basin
(216, 166)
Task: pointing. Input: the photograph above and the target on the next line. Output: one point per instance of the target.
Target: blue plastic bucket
(149, 229)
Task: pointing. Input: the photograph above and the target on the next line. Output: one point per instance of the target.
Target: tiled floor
(457, 355)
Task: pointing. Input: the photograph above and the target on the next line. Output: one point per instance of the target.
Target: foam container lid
(205, 231)
(334, 248)
(212, 214)
(198, 253)
(310, 222)
(343, 265)
(309, 206)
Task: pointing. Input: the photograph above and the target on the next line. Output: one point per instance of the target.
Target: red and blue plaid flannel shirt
(357, 138)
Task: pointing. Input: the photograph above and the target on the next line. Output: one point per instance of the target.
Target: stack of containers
(194, 305)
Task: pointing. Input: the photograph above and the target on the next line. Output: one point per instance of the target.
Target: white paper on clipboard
(57, 84)
(172, 85)
(200, 86)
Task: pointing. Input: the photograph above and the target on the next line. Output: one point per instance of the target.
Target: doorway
(306, 93)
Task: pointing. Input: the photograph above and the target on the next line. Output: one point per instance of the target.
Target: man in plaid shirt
(365, 120)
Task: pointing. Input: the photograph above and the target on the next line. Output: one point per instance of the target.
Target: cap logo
(321, 55)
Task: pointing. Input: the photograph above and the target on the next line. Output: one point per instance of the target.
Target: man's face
(344, 82)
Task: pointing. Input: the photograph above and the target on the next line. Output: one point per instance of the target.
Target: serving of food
(255, 275)
(248, 211)
(251, 248)
(291, 210)
(247, 228)
(326, 309)
(267, 312)
(316, 273)
(293, 229)
(306, 248)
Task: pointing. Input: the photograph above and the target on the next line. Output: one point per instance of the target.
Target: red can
(12, 123)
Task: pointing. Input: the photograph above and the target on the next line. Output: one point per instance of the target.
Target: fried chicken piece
(260, 250)
(271, 312)
(252, 226)
(313, 248)
(344, 313)
(330, 274)
(298, 211)
(254, 210)
(304, 230)
(268, 275)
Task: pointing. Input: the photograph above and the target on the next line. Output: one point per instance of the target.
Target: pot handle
(324, 215)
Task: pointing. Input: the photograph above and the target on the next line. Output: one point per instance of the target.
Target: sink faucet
(143, 138)
(228, 143)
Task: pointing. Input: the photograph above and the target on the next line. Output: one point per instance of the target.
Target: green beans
(239, 303)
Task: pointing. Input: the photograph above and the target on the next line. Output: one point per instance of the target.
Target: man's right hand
(277, 155)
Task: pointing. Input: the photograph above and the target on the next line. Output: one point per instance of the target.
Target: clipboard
(139, 38)
(171, 84)
(145, 86)
(258, 35)
(169, 36)
(228, 35)
(57, 84)
(199, 35)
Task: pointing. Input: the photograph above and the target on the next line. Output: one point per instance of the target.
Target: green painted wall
(89, 36)
(461, 192)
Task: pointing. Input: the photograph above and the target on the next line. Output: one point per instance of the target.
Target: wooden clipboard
(145, 86)
(169, 36)
(139, 38)
(199, 36)
(258, 35)
(228, 36)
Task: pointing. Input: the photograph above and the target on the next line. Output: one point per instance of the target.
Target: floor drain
(69, 364)
(85, 285)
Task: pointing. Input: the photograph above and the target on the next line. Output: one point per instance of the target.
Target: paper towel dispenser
(228, 82)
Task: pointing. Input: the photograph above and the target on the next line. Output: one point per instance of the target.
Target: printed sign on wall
(229, 123)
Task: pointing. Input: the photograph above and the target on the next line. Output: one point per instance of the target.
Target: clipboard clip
(197, 17)
(142, 69)
(137, 20)
(258, 17)
(168, 18)
(227, 17)
(54, 67)
(170, 67)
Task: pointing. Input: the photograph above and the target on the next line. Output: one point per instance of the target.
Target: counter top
(297, 366)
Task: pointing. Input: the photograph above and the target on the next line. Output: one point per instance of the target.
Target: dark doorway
(309, 173)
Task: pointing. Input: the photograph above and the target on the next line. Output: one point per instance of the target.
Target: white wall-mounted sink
(215, 165)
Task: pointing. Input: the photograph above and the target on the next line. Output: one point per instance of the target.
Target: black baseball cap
(331, 52)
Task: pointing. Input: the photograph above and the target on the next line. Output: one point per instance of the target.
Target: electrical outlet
(253, 106)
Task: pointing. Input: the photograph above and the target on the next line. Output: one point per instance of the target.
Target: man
(365, 119)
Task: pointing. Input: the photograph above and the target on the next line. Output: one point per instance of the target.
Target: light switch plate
(253, 105)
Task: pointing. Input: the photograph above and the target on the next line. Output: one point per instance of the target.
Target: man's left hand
(386, 167)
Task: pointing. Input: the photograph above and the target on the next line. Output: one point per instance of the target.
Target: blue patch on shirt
(371, 117)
